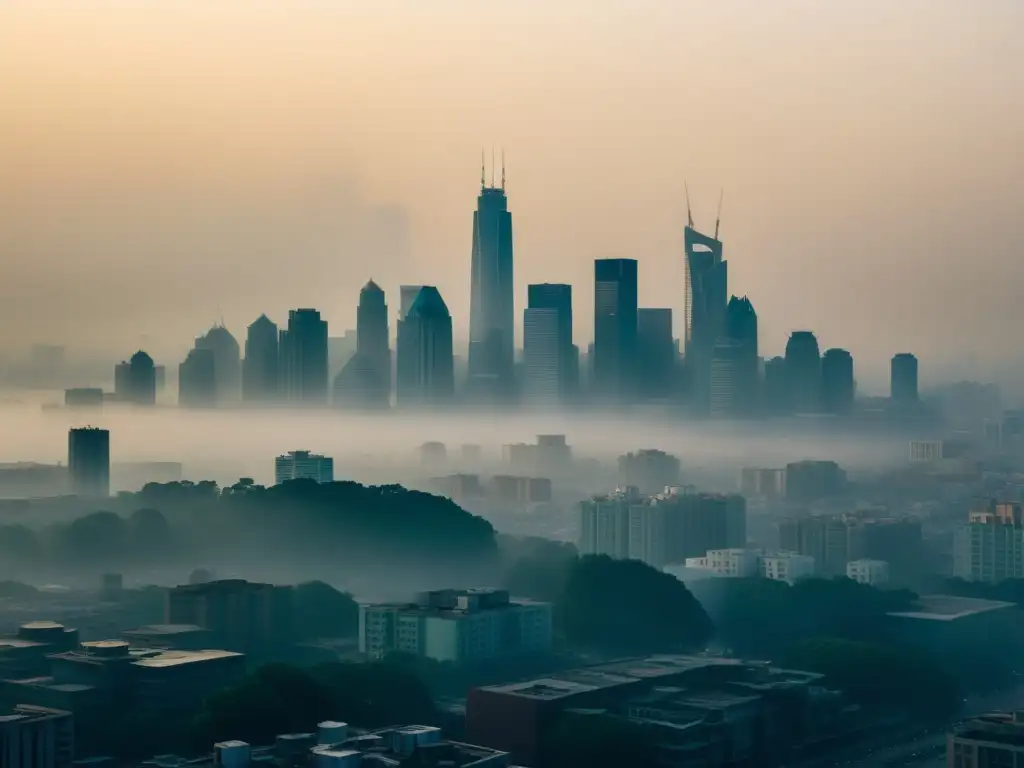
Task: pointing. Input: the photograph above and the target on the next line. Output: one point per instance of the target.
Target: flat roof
(15, 642)
(164, 629)
(950, 608)
(177, 658)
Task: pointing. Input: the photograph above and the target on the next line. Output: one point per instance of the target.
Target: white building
(303, 464)
(874, 573)
(751, 563)
(990, 547)
(457, 626)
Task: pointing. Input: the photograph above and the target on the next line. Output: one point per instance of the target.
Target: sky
(165, 164)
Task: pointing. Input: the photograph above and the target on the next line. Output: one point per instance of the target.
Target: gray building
(227, 362)
(656, 354)
(615, 329)
(89, 461)
(296, 465)
(304, 365)
(705, 295)
(260, 381)
(545, 298)
(36, 737)
(426, 366)
(803, 372)
(903, 378)
(197, 379)
(837, 382)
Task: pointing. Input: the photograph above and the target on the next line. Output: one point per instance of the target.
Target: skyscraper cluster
(714, 368)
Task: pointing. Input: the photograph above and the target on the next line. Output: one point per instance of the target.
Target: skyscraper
(227, 361)
(615, 332)
(837, 383)
(426, 367)
(303, 349)
(260, 366)
(656, 354)
(705, 294)
(903, 378)
(803, 372)
(135, 380)
(89, 461)
(492, 318)
(727, 398)
(197, 379)
(549, 358)
(741, 330)
(372, 336)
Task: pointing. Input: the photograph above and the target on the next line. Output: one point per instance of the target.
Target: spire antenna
(483, 169)
(718, 217)
(689, 215)
(502, 169)
(492, 166)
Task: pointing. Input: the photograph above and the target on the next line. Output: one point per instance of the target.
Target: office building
(373, 345)
(36, 737)
(557, 296)
(197, 379)
(727, 398)
(241, 616)
(340, 349)
(135, 380)
(227, 362)
(512, 489)
(604, 524)
(296, 465)
(990, 546)
(457, 626)
(808, 481)
(775, 396)
(656, 354)
(615, 329)
(649, 470)
(756, 482)
(837, 382)
(83, 397)
(303, 350)
(831, 541)
(903, 378)
(803, 372)
(260, 368)
(89, 461)
(491, 301)
(706, 292)
(543, 359)
(426, 366)
(993, 740)
(874, 573)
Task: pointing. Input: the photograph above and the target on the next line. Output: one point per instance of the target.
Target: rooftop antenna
(483, 169)
(718, 217)
(502, 169)
(689, 215)
(492, 166)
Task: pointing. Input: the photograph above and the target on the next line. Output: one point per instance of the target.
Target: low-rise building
(874, 573)
(789, 567)
(456, 625)
(751, 563)
(178, 637)
(987, 741)
(296, 465)
(25, 654)
(36, 737)
(955, 627)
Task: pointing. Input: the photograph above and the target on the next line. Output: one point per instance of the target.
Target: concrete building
(750, 563)
(812, 480)
(992, 740)
(649, 470)
(874, 573)
(762, 483)
(458, 626)
(29, 480)
(519, 490)
(789, 567)
(25, 654)
(803, 372)
(242, 616)
(303, 464)
(990, 546)
(36, 737)
(177, 637)
(604, 524)
(903, 378)
(89, 461)
(951, 627)
(83, 397)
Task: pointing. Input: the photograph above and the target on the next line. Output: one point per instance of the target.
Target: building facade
(990, 546)
(426, 364)
(615, 329)
(837, 381)
(874, 573)
(89, 461)
(296, 465)
(803, 372)
(304, 364)
(197, 379)
(36, 737)
(706, 293)
(260, 367)
(903, 378)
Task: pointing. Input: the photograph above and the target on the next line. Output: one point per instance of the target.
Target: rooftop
(950, 608)
(164, 629)
(177, 658)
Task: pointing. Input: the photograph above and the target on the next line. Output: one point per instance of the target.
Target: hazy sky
(167, 162)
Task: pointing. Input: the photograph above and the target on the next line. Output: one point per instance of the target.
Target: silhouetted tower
(615, 334)
(260, 382)
(837, 382)
(656, 353)
(491, 308)
(803, 372)
(303, 348)
(89, 461)
(227, 360)
(197, 379)
(903, 378)
(775, 398)
(549, 360)
(135, 380)
(706, 291)
(741, 332)
(372, 337)
(425, 355)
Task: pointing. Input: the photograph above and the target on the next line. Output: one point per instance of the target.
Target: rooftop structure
(950, 608)
(36, 737)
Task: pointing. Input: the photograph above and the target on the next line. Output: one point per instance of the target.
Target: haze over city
(168, 165)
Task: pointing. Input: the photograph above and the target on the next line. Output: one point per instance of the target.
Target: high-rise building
(615, 332)
(649, 470)
(426, 366)
(227, 362)
(36, 737)
(775, 398)
(303, 349)
(89, 461)
(837, 382)
(903, 378)
(706, 292)
(260, 382)
(556, 297)
(296, 465)
(491, 307)
(135, 380)
(542, 358)
(990, 546)
(803, 372)
(372, 336)
(656, 354)
(741, 333)
(197, 379)
(728, 396)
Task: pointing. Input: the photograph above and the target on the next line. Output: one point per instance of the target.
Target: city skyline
(831, 173)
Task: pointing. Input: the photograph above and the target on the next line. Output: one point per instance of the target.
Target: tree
(150, 532)
(538, 568)
(596, 741)
(626, 606)
(323, 611)
(99, 537)
(376, 694)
